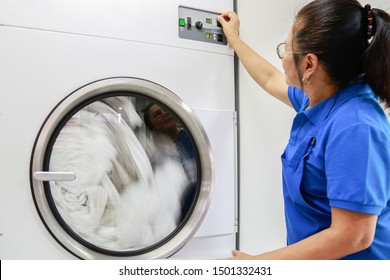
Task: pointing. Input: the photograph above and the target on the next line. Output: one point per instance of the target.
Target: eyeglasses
(281, 50)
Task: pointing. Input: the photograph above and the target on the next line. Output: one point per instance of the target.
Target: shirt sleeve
(357, 160)
(298, 98)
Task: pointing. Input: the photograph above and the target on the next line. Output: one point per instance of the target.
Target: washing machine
(83, 175)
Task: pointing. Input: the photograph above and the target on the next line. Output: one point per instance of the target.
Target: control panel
(199, 25)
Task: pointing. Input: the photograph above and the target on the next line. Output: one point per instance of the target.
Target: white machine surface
(71, 66)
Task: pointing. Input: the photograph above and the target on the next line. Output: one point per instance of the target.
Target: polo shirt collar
(353, 90)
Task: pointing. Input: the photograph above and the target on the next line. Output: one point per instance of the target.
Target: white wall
(264, 126)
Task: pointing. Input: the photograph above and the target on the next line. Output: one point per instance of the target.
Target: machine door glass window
(135, 173)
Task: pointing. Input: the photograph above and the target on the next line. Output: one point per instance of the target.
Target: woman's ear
(310, 65)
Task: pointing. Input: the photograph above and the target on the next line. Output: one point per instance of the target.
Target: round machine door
(122, 168)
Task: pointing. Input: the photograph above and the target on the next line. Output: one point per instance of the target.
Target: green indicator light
(182, 22)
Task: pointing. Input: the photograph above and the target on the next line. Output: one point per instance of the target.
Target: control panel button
(199, 25)
(182, 22)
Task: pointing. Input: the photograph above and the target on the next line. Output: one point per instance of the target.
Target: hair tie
(370, 21)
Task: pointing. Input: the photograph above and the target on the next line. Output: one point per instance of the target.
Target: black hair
(147, 121)
(337, 32)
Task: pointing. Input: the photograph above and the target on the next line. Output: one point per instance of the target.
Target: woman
(336, 62)
(160, 121)
(173, 141)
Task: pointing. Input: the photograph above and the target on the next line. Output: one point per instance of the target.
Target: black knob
(199, 25)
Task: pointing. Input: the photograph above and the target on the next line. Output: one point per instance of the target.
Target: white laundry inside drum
(131, 183)
(140, 184)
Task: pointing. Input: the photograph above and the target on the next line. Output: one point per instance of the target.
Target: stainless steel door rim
(93, 91)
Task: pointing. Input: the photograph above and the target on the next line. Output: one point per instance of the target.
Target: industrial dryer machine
(83, 173)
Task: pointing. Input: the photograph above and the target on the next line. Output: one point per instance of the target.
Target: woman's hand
(231, 26)
(237, 255)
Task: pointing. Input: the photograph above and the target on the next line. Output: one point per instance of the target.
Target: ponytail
(376, 59)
